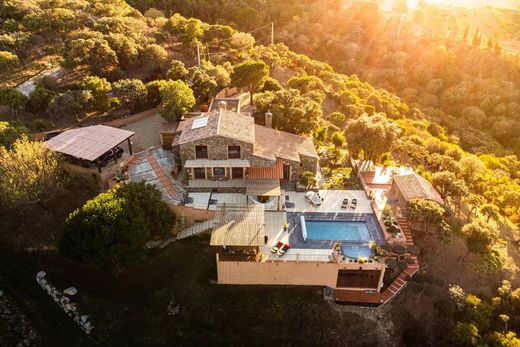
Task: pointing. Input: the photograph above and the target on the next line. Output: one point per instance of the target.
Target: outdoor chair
(344, 204)
(275, 249)
(283, 250)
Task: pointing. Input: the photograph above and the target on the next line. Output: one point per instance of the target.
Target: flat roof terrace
(332, 202)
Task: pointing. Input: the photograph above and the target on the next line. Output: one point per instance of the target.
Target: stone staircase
(404, 224)
(197, 229)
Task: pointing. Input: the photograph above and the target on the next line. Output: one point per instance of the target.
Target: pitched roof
(88, 143)
(239, 226)
(219, 123)
(414, 186)
(272, 144)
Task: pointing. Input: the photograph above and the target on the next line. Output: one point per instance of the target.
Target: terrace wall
(288, 272)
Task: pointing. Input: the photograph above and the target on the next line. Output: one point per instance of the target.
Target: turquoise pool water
(337, 230)
(356, 252)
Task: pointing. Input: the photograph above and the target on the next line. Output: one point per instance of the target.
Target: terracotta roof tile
(272, 143)
(226, 124)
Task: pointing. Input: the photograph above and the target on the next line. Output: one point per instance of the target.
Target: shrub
(308, 179)
(111, 229)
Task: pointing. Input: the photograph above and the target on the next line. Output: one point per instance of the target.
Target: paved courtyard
(146, 133)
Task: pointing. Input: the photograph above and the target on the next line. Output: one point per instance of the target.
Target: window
(219, 171)
(199, 173)
(201, 152)
(237, 172)
(234, 152)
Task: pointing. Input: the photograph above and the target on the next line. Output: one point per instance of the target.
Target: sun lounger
(353, 205)
(277, 247)
(344, 204)
(283, 250)
(313, 198)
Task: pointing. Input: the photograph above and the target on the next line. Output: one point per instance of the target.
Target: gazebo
(90, 143)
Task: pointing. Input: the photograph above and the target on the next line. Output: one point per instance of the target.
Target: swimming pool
(356, 252)
(335, 230)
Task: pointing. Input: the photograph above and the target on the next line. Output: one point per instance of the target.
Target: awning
(88, 143)
(263, 188)
(216, 163)
(267, 173)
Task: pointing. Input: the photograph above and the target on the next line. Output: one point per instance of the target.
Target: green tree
(480, 236)
(505, 339)
(176, 100)
(9, 133)
(291, 111)
(202, 84)
(72, 102)
(337, 139)
(250, 74)
(131, 92)
(491, 211)
(153, 89)
(449, 186)
(99, 87)
(249, 18)
(465, 334)
(126, 49)
(372, 134)
(91, 48)
(216, 34)
(177, 71)
(308, 179)
(305, 83)
(8, 60)
(40, 98)
(478, 312)
(154, 58)
(425, 211)
(192, 31)
(111, 229)
(13, 99)
(29, 173)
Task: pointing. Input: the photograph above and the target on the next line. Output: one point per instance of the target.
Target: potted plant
(285, 227)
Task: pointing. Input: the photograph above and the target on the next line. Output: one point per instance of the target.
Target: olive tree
(176, 100)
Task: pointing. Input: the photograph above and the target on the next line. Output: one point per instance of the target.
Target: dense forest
(438, 59)
(384, 87)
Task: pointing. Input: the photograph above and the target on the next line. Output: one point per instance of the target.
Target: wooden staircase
(385, 296)
(197, 229)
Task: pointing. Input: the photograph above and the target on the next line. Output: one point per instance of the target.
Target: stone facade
(217, 148)
(309, 163)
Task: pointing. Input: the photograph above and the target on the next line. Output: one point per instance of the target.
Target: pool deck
(332, 201)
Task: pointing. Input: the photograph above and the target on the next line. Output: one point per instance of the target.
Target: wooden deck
(376, 299)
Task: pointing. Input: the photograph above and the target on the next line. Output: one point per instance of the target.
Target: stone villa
(227, 151)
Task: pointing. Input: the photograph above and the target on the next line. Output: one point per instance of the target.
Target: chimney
(268, 119)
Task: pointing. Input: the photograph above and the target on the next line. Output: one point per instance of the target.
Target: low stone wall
(65, 303)
(17, 330)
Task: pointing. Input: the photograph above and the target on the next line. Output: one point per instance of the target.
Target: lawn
(131, 309)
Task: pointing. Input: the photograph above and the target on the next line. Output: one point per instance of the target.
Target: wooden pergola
(90, 143)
